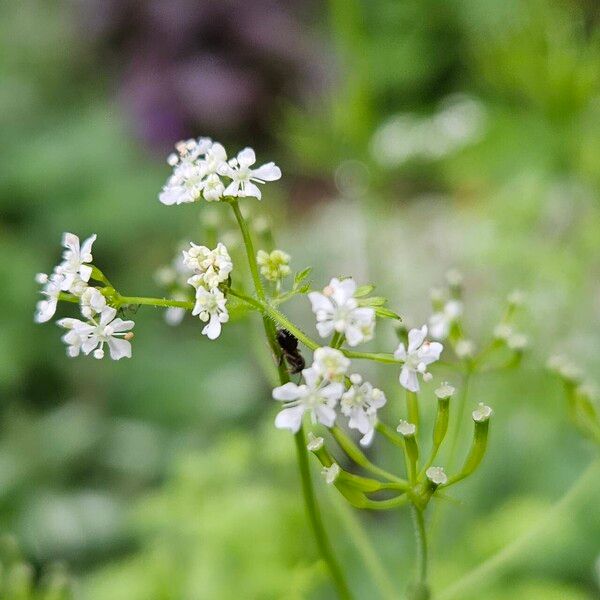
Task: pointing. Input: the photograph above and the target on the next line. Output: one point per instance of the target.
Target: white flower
(419, 354)
(274, 266)
(330, 363)
(482, 413)
(46, 308)
(193, 177)
(336, 309)
(210, 308)
(464, 349)
(441, 321)
(331, 473)
(436, 475)
(243, 178)
(360, 402)
(92, 302)
(92, 336)
(516, 298)
(406, 429)
(212, 267)
(75, 267)
(316, 396)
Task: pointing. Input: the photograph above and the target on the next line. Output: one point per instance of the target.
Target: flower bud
(331, 473)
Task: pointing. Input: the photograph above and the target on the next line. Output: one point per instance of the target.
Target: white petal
(325, 328)
(267, 172)
(86, 247)
(119, 348)
(107, 315)
(290, 418)
(332, 392)
(344, 290)
(286, 392)
(246, 157)
(325, 415)
(319, 301)
(311, 376)
(430, 352)
(400, 353)
(118, 325)
(408, 379)
(251, 190)
(213, 329)
(416, 338)
(354, 335)
(71, 241)
(85, 272)
(232, 189)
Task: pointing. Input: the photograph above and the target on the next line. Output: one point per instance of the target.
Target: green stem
(363, 545)
(494, 564)
(159, 302)
(462, 402)
(251, 253)
(308, 493)
(315, 518)
(354, 452)
(421, 545)
(412, 405)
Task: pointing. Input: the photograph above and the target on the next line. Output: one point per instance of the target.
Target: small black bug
(289, 346)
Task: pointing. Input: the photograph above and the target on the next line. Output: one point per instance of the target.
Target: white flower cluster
(275, 265)
(337, 310)
(201, 170)
(101, 325)
(323, 387)
(71, 275)
(211, 270)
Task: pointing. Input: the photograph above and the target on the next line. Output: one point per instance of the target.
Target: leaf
(374, 301)
(363, 290)
(302, 275)
(386, 313)
(304, 289)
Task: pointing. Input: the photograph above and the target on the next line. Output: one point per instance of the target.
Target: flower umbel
(212, 267)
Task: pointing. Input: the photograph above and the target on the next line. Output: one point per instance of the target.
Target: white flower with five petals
(361, 402)
(336, 309)
(91, 336)
(316, 395)
(244, 178)
(416, 357)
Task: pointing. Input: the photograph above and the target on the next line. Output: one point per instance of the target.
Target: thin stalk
(462, 402)
(412, 406)
(308, 493)
(159, 302)
(421, 544)
(363, 544)
(493, 565)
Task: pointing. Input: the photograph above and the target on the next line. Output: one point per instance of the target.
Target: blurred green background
(414, 138)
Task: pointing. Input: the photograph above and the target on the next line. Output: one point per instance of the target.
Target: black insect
(289, 346)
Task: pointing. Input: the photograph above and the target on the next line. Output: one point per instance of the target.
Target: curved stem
(308, 493)
(499, 560)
